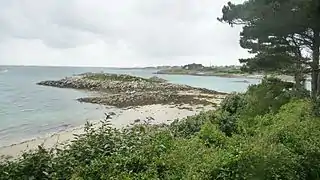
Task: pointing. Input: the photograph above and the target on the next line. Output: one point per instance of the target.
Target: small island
(124, 91)
(194, 69)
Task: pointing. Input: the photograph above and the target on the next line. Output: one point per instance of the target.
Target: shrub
(211, 135)
(268, 96)
(190, 126)
(246, 109)
(279, 141)
(233, 103)
(227, 122)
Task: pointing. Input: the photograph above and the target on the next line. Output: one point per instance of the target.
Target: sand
(122, 118)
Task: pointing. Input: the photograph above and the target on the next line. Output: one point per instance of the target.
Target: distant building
(193, 66)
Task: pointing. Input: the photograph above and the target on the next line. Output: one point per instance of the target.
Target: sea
(30, 111)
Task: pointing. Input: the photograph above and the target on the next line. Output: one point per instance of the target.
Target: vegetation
(193, 66)
(200, 70)
(270, 132)
(265, 133)
(121, 77)
(284, 36)
(117, 77)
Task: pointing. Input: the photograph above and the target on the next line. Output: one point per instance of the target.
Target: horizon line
(79, 66)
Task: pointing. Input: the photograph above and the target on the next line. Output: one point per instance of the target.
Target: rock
(242, 81)
(149, 118)
(128, 91)
(157, 79)
(108, 116)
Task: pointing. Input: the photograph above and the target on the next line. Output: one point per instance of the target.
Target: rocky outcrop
(126, 90)
(157, 79)
(142, 98)
(74, 82)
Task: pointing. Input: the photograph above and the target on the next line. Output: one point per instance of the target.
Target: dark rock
(158, 79)
(242, 81)
(149, 118)
(107, 116)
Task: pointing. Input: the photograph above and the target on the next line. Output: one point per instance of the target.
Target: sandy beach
(128, 100)
(122, 118)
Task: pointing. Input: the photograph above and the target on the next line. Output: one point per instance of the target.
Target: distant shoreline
(226, 75)
(230, 75)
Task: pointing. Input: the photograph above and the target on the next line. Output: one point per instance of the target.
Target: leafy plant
(238, 141)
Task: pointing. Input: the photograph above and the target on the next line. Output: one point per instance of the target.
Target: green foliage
(279, 33)
(233, 103)
(268, 96)
(228, 113)
(193, 66)
(295, 128)
(316, 106)
(211, 135)
(227, 122)
(32, 165)
(191, 125)
(268, 140)
(115, 77)
(203, 71)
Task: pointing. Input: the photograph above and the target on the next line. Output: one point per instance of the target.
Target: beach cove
(95, 112)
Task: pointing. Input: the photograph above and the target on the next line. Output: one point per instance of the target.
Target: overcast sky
(117, 33)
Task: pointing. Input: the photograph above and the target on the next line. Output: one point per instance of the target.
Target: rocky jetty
(126, 91)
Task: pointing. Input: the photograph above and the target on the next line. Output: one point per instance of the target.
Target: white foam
(4, 71)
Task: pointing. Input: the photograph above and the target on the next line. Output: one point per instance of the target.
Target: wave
(57, 128)
(27, 110)
(13, 128)
(3, 70)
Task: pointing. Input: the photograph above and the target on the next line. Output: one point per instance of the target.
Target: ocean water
(28, 111)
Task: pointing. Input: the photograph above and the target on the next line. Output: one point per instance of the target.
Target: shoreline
(131, 99)
(161, 114)
(226, 75)
(247, 76)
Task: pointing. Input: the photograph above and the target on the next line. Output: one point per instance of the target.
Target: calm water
(28, 110)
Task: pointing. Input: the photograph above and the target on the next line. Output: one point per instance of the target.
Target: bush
(279, 141)
(211, 135)
(239, 112)
(299, 131)
(283, 145)
(233, 103)
(268, 96)
(227, 123)
(190, 126)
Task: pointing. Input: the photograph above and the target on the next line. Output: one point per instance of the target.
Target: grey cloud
(155, 30)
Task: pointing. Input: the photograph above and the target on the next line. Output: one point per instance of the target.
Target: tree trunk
(299, 82)
(299, 78)
(315, 61)
(314, 83)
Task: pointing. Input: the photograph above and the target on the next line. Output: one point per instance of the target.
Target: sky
(116, 33)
